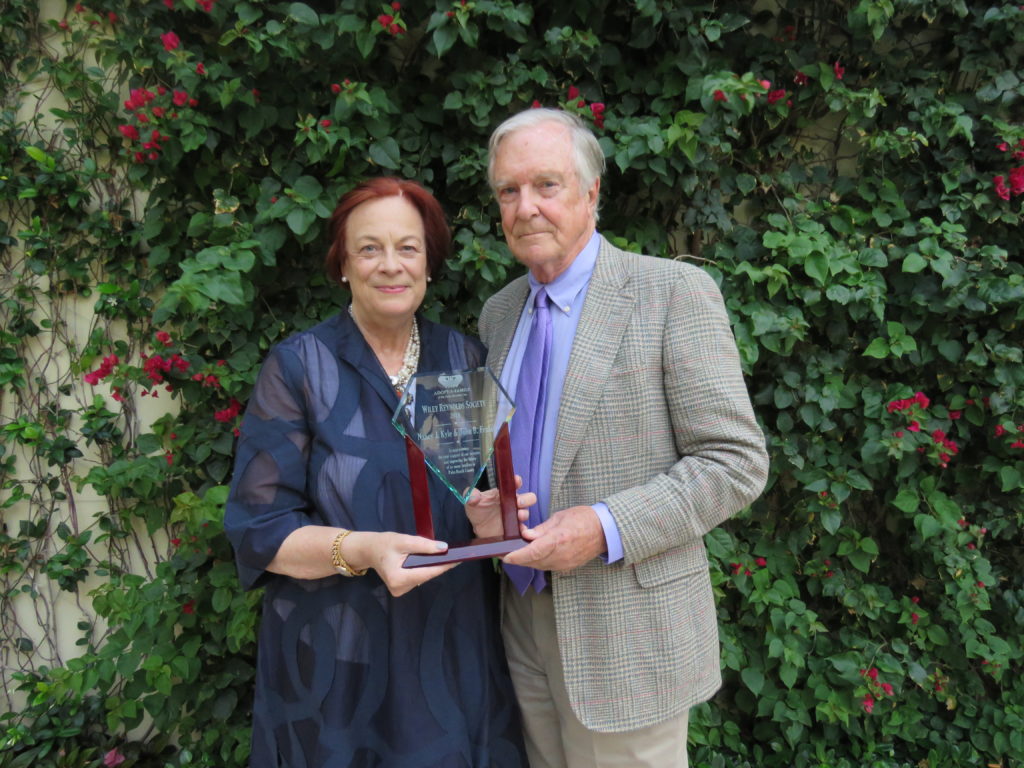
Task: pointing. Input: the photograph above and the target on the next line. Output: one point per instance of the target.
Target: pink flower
(719, 96)
(574, 92)
(170, 41)
(113, 758)
(922, 399)
(1003, 147)
(914, 426)
(839, 70)
(766, 84)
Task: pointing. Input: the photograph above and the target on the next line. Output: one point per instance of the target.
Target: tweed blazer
(655, 421)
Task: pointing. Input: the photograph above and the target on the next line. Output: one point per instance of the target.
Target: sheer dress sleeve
(268, 498)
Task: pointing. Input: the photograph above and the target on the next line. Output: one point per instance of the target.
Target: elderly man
(635, 429)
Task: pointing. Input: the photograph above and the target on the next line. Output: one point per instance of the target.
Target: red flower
(914, 426)
(887, 689)
(1000, 430)
(581, 103)
(113, 758)
(163, 336)
(130, 132)
(176, 542)
(735, 568)
(536, 104)
(915, 599)
(954, 415)
(169, 3)
(1017, 181)
(112, 17)
(868, 703)
(762, 562)
(1000, 186)
(325, 123)
(776, 95)
(720, 96)
(335, 88)
(1017, 444)
(898, 433)
(396, 6)
(206, 5)
(597, 109)
(971, 545)
(189, 607)
(169, 457)
(211, 381)
(574, 92)
(839, 70)
(193, 102)
(1004, 147)
(170, 41)
(180, 98)
(200, 69)
(385, 19)
(981, 584)
(395, 30)
(800, 78)
(914, 618)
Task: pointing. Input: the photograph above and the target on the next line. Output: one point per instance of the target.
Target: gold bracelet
(338, 561)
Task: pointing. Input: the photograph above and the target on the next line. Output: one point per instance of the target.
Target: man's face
(546, 217)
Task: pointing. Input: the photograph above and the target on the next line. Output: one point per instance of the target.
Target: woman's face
(386, 260)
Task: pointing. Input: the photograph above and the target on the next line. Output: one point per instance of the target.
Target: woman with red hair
(363, 663)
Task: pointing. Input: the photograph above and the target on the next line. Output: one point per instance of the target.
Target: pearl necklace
(410, 360)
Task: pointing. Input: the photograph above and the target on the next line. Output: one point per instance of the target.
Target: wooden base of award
(475, 549)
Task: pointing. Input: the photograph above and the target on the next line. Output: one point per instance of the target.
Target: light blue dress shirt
(566, 293)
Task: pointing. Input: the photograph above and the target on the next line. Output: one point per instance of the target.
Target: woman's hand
(484, 510)
(385, 553)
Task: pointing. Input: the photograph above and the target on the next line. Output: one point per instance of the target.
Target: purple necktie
(528, 424)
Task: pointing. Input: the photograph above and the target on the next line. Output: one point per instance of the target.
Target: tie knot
(540, 301)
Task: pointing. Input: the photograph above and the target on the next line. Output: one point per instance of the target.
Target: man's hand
(484, 510)
(566, 540)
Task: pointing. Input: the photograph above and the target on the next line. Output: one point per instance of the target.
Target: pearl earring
(344, 279)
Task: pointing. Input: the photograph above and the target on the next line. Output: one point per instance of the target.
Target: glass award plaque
(455, 422)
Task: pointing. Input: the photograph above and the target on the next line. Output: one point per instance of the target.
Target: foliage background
(871, 603)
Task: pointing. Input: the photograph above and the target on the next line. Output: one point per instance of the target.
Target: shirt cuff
(611, 533)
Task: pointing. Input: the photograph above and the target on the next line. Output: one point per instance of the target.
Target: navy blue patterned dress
(347, 675)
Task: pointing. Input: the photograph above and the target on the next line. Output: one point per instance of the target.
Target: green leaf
(914, 263)
(753, 679)
(385, 153)
(300, 220)
(927, 526)
(907, 500)
(303, 14)
(878, 348)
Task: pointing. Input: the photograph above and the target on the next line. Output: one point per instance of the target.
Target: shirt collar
(564, 289)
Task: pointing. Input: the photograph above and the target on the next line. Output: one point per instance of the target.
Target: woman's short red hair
(435, 227)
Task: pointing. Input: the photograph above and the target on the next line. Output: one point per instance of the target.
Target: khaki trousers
(555, 738)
